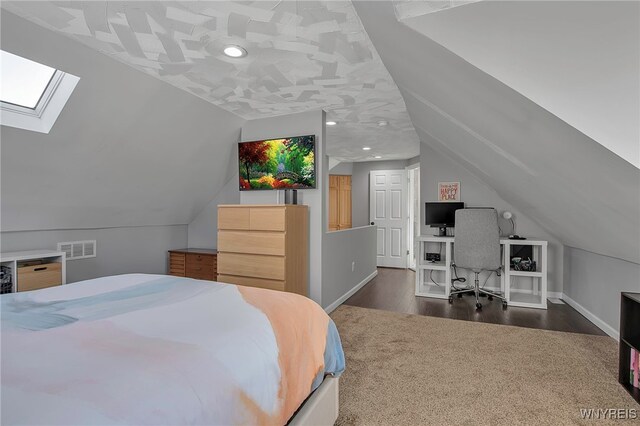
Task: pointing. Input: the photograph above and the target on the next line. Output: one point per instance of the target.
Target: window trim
(49, 106)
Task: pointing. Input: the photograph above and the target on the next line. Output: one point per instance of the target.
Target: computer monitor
(441, 215)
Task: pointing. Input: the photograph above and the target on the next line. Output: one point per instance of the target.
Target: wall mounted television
(286, 163)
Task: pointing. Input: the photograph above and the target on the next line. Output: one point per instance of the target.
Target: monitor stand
(442, 231)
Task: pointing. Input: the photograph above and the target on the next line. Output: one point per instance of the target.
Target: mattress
(150, 349)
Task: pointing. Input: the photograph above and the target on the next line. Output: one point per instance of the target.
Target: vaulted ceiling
(564, 180)
(126, 150)
(302, 55)
(579, 60)
(540, 139)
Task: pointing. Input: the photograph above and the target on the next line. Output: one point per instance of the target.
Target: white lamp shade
(507, 215)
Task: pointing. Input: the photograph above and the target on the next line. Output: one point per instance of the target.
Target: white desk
(533, 297)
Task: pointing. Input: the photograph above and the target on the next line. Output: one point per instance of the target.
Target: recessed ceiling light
(234, 51)
(331, 123)
(366, 148)
(378, 156)
(382, 123)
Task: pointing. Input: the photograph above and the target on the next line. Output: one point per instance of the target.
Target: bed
(152, 349)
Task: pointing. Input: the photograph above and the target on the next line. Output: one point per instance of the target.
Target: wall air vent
(78, 249)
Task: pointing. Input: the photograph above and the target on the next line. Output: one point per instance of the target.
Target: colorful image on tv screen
(287, 163)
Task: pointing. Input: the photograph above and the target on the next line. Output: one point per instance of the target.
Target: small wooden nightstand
(201, 264)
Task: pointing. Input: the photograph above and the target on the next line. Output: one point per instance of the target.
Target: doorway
(339, 202)
(413, 206)
(388, 212)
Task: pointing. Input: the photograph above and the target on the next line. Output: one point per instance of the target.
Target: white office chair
(477, 248)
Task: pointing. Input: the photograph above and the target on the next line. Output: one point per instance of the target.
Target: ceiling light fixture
(234, 51)
(331, 123)
(366, 148)
(382, 123)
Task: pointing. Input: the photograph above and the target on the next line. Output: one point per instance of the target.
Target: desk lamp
(509, 216)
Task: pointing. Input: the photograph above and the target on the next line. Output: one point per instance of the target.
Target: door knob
(373, 223)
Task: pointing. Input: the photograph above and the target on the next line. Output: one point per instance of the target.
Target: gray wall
(127, 150)
(138, 249)
(344, 168)
(435, 168)
(307, 123)
(341, 248)
(583, 67)
(594, 283)
(203, 229)
(129, 162)
(360, 187)
(568, 183)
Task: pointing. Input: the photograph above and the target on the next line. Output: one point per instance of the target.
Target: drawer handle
(44, 268)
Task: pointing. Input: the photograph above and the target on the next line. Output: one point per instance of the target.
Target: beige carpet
(413, 370)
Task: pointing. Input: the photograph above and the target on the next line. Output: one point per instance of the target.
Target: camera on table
(520, 264)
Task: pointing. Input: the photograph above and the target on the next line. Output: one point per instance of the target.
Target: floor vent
(78, 249)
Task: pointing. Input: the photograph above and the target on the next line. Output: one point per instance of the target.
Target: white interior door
(388, 211)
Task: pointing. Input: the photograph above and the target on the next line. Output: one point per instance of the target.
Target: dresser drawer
(267, 219)
(200, 259)
(251, 265)
(271, 243)
(199, 268)
(252, 282)
(177, 272)
(233, 218)
(177, 263)
(35, 277)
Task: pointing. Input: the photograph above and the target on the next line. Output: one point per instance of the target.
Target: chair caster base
(504, 304)
(450, 299)
(478, 306)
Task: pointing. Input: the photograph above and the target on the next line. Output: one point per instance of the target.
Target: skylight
(22, 81)
(32, 95)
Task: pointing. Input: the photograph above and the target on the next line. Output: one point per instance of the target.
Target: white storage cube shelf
(12, 260)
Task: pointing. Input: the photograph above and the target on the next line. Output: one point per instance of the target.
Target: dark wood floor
(394, 290)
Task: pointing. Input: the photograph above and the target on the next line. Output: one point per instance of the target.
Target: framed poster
(448, 191)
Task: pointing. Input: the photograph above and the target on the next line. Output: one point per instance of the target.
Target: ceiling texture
(302, 55)
(306, 55)
(126, 150)
(570, 184)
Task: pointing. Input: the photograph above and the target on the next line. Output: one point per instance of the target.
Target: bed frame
(321, 408)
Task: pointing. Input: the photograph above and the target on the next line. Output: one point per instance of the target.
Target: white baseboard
(591, 317)
(350, 293)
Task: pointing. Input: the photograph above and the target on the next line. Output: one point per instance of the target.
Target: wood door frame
(412, 214)
(339, 224)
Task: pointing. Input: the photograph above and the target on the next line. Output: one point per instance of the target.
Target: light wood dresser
(201, 264)
(264, 246)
